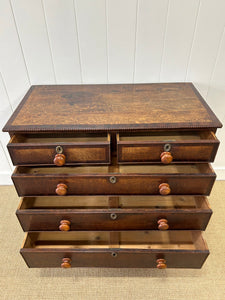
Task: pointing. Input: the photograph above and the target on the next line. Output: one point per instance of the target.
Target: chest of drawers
(113, 175)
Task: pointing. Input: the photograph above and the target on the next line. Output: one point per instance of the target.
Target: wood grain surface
(132, 249)
(112, 107)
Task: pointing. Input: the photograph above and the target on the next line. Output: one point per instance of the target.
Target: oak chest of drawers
(113, 175)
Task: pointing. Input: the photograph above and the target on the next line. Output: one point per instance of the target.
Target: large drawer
(167, 146)
(145, 249)
(180, 179)
(59, 149)
(52, 213)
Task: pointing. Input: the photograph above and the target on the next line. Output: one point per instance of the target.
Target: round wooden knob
(161, 263)
(64, 225)
(59, 160)
(164, 189)
(163, 224)
(166, 158)
(61, 189)
(66, 263)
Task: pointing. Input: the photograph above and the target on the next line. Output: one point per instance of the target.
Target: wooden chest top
(111, 107)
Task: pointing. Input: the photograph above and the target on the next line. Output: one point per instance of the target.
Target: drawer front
(137, 149)
(176, 249)
(113, 259)
(92, 151)
(113, 219)
(140, 184)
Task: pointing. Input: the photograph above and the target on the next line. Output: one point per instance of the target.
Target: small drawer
(121, 249)
(59, 149)
(167, 147)
(113, 213)
(174, 179)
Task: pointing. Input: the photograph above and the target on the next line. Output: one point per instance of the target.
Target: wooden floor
(19, 282)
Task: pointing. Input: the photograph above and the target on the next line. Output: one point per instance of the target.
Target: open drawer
(113, 213)
(167, 146)
(145, 249)
(59, 149)
(175, 179)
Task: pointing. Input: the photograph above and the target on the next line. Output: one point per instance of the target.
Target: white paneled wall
(111, 41)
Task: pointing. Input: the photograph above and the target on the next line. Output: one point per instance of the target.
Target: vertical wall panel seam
(49, 43)
(107, 43)
(6, 156)
(7, 94)
(78, 40)
(3, 148)
(135, 38)
(21, 47)
(215, 63)
(164, 40)
(193, 39)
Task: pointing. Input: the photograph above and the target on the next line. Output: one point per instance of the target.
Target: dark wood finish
(112, 107)
(136, 180)
(150, 147)
(41, 149)
(132, 213)
(119, 162)
(136, 249)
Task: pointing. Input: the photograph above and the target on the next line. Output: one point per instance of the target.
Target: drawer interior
(120, 169)
(60, 138)
(166, 136)
(176, 240)
(102, 202)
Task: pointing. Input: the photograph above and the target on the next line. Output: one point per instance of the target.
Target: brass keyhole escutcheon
(114, 254)
(112, 179)
(113, 216)
(167, 147)
(59, 149)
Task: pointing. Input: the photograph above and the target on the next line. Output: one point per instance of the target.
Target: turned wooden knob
(164, 189)
(59, 160)
(66, 263)
(161, 263)
(163, 224)
(64, 225)
(61, 189)
(166, 158)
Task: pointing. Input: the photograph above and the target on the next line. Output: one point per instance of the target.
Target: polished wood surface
(112, 107)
